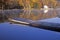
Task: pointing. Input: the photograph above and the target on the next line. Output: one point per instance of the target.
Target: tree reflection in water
(3, 18)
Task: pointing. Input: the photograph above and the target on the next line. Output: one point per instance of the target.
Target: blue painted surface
(23, 32)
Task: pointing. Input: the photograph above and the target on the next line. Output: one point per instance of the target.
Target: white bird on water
(46, 8)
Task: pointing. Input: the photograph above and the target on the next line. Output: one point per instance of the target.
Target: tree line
(6, 4)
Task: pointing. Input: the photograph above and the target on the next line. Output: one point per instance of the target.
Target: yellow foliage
(40, 3)
(35, 0)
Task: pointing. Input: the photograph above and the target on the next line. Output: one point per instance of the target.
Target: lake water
(23, 32)
(33, 14)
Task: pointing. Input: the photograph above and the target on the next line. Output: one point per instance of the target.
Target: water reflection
(36, 14)
(33, 14)
(5, 14)
(3, 18)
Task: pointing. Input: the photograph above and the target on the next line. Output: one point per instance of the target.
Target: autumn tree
(37, 4)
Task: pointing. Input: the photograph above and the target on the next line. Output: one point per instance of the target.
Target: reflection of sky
(22, 32)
